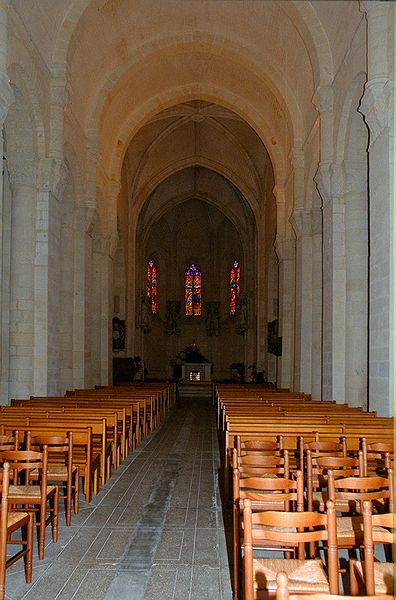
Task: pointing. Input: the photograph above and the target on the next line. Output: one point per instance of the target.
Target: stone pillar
(260, 300)
(377, 108)
(84, 217)
(285, 250)
(51, 180)
(334, 281)
(102, 260)
(317, 300)
(302, 224)
(356, 252)
(66, 329)
(6, 99)
(330, 182)
(22, 339)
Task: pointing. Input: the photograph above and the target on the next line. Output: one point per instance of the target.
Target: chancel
(194, 194)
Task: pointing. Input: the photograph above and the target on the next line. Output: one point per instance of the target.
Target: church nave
(154, 531)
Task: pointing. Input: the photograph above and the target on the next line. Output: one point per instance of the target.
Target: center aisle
(155, 532)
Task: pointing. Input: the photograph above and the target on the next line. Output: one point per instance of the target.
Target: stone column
(302, 224)
(101, 309)
(356, 252)
(84, 217)
(6, 99)
(285, 250)
(334, 281)
(66, 329)
(377, 108)
(52, 174)
(317, 300)
(330, 182)
(22, 309)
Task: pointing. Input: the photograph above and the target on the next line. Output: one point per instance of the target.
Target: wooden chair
(265, 493)
(316, 471)
(377, 457)
(282, 593)
(377, 577)
(261, 465)
(9, 442)
(293, 530)
(10, 522)
(61, 470)
(322, 448)
(41, 498)
(348, 494)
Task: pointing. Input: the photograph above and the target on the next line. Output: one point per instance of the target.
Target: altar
(197, 372)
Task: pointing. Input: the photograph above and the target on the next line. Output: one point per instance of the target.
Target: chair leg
(76, 493)
(55, 515)
(41, 530)
(353, 580)
(69, 493)
(29, 553)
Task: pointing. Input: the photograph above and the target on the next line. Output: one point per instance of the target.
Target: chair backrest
(317, 471)
(25, 461)
(354, 490)
(294, 530)
(56, 444)
(262, 446)
(377, 457)
(327, 448)
(268, 492)
(256, 463)
(9, 442)
(342, 466)
(282, 593)
(377, 528)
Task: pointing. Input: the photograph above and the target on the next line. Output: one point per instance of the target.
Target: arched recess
(175, 235)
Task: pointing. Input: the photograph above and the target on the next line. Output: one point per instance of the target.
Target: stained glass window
(235, 290)
(192, 295)
(152, 285)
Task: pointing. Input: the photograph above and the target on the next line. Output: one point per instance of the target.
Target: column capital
(85, 218)
(105, 243)
(6, 97)
(355, 176)
(368, 6)
(52, 176)
(285, 248)
(322, 179)
(22, 174)
(377, 106)
(301, 221)
(296, 157)
(323, 98)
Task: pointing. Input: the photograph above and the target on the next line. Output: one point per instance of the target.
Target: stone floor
(156, 531)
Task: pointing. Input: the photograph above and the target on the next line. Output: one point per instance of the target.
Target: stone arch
(315, 35)
(204, 43)
(22, 81)
(193, 161)
(197, 92)
(316, 38)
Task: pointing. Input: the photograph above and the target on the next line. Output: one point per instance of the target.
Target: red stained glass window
(193, 291)
(152, 285)
(235, 289)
